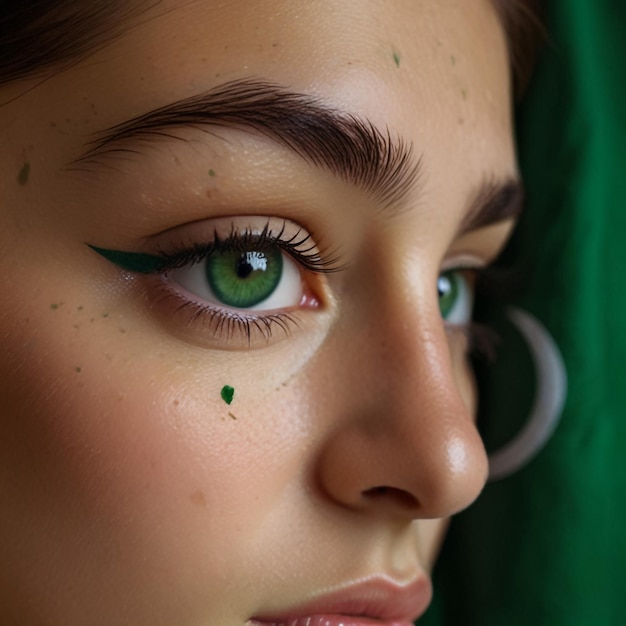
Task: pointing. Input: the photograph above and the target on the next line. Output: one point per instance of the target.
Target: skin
(131, 493)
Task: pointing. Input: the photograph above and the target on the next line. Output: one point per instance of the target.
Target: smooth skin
(130, 492)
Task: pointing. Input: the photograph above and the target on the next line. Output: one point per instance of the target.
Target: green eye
(256, 279)
(455, 297)
(244, 279)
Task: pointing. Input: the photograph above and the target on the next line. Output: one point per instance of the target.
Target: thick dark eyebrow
(495, 202)
(350, 147)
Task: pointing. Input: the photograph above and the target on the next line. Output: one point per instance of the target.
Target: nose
(403, 441)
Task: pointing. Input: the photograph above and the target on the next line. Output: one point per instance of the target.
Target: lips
(379, 601)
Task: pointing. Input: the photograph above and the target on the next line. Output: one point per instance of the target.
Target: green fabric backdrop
(547, 545)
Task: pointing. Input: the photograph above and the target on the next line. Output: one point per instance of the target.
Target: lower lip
(332, 620)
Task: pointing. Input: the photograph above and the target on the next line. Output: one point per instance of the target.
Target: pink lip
(374, 601)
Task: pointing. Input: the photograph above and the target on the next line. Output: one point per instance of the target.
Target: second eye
(260, 280)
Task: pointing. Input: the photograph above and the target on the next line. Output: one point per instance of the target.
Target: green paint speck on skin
(22, 177)
(55, 305)
(452, 59)
(78, 369)
(211, 172)
(396, 59)
(464, 94)
(227, 394)
(105, 315)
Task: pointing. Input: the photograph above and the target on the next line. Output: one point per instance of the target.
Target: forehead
(432, 72)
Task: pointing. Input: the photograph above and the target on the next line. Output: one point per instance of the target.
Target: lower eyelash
(226, 323)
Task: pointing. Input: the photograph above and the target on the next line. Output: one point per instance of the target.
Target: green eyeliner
(132, 261)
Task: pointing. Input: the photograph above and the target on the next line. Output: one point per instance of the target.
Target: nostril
(399, 497)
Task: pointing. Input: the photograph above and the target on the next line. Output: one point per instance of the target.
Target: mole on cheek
(22, 177)
(197, 497)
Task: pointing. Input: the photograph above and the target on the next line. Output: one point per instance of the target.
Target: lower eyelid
(210, 326)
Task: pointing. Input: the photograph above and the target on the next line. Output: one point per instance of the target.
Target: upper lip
(380, 598)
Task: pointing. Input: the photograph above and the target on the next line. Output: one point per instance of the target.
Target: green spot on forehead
(22, 177)
(227, 394)
(211, 172)
(396, 59)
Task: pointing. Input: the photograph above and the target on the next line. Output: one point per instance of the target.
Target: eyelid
(464, 261)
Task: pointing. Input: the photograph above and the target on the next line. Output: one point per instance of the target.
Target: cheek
(143, 479)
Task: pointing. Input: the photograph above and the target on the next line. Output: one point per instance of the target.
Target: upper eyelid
(299, 245)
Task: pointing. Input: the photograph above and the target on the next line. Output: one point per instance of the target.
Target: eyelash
(307, 257)
(299, 247)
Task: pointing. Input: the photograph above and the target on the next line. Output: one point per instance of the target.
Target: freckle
(93, 319)
(80, 308)
(123, 331)
(197, 497)
(461, 120)
(209, 193)
(76, 326)
(22, 177)
(227, 393)
(232, 416)
(176, 402)
(396, 59)
(274, 45)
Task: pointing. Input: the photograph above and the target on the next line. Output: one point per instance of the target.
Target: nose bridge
(408, 442)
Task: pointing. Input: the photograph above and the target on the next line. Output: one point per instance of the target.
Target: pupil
(244, 269)
(250, 261)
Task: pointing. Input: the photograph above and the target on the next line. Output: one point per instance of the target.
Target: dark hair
(38, 36)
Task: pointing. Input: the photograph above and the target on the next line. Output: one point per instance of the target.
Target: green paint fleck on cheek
(227, 394)
(78, 370)
(464, 94)
(396, 59)
(211, 172)
(55, 305)
(22, 177)
(452, 59)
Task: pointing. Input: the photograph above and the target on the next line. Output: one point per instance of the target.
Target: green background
(547, 546)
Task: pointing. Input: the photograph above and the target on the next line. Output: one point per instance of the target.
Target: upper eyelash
(307, 257)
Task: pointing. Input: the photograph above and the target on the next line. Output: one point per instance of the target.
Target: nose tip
(428, 473)
(452, 474)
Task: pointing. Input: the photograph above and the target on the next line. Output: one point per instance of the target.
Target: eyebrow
(350, 147)
(494, 202)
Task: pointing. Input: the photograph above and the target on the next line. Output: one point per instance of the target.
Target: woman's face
(301, 223)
